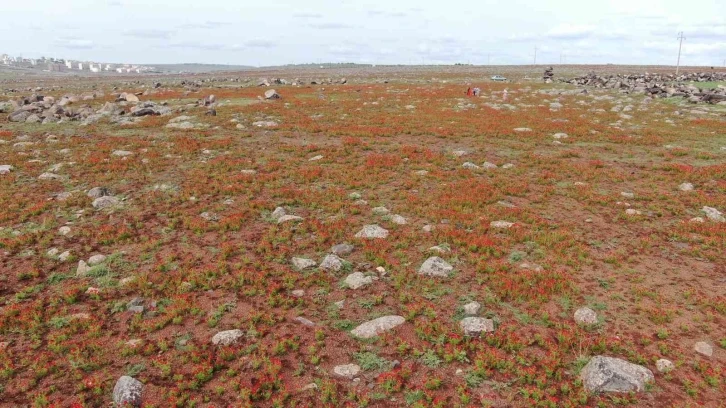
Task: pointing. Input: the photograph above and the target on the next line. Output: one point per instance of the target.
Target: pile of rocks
(45, 109)
(660, 86)
(549, 75)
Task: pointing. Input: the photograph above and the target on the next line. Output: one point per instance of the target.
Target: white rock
(52, 252)
(303, 263)
(435, 266)
(122, 153)
(522, 129)
(397, 219)
(501, 224)
(507, 166)
(713, 214)
(470, 166)
(699, 220)
(474, 326)
(127, 392)
(489, 166)
(358, 280)
(380, 210)
(64, 230)
(64, 256)
(631, 211)
(315, 158)
(227, 337)
(377, 326)
(560, 136)
(703, 348)
(279, 212)
(585, 316)
(372, 232)
(49, 176)
(664, 366)
(5, 168)
(347, 371)
(627, 194)
(472, 308)
(686, 187)
(82, 268)
(287, 218)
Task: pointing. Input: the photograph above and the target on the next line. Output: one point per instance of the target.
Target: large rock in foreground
(375, 327)
(608, 374)
(127, 392)
(372, 232)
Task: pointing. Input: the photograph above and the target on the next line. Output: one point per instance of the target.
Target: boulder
(358, 280)
(372, 232)
(303, 263)
(331, 263)
(347, 371)
(105, 202)
(474, 326)
(5, 168)
(713, 214)
(585, 316)
(608, 374)
(664, 366)
(227, 337)
(703, 348)
(377, 326)
(342, 249)
(472, 308)
(127, 392)
(435, 266)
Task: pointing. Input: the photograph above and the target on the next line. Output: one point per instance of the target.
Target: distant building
(108, 67)
(69, 64)
(80, 66)
(94, 68)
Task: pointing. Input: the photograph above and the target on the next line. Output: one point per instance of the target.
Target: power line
(680, 45)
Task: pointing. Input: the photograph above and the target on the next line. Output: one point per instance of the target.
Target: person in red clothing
(468, 92)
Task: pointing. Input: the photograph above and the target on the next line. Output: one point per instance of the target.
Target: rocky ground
(364, 238)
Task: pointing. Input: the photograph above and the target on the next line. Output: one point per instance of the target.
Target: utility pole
(680, 45)
(535, 55)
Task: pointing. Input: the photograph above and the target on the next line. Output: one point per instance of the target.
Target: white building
(95, 68)
(80, 66)
(108, 67)
(69, 64)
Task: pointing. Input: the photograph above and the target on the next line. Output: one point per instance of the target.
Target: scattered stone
(397, 219)
(436, 267)
(427, 228)
(347, 371)
(303, 263)
(278, 213)
(287, 218)
(249, 172)
(127, 391)
(631, 211)
(377, 326)
(122, 153)
(358, 280)
(372, 232)
(316, 158)
(560, 136)
(331, 263)
(264, 123)
(608, 374)
(474, 326)
(49, 176)
(305, 322)
(355, 196)
(703, 348)
(664, 366)
(470, 166)
(627, 194)
(686, 187)
(210, 216)
(380, 210)
(82, 268)
(585, 316)
(93, 291)
(522, 129)
(344, 249)
(64, 230)
(96, 259)
(441, 249)
(699, 220)
(227, 337)
(489, 166)
(298, 293)
(713, 214)
(105, 202)
(472, 308)
(501, 224)
(5, 168)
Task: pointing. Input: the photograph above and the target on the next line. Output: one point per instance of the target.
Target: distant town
(67, 65)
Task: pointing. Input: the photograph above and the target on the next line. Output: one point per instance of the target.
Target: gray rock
(342, 249)
(372, 232)
(397, 219)
(470, 166)
(105, 202)
(96, 259)
(121, 153)
(703, 348)
(501, 224)
(380, 211)
(435, 266)
(713, 214)
(474, 326)
(278, 213)
(127, 392)
(5, 169)
(331, 263)
(472, 308)
(377, 326)
(49, 176)
(585, 316)
(608, 374)
(82, 268)
(303, 263)
(227, 337)
(289, 218)
(686, 187)
(358, 280)
(347, 371)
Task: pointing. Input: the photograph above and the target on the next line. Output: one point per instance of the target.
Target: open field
(590, 189)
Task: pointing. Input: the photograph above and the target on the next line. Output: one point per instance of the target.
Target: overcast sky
(274, 32)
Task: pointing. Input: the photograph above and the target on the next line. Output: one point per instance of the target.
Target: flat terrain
(591, 191)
